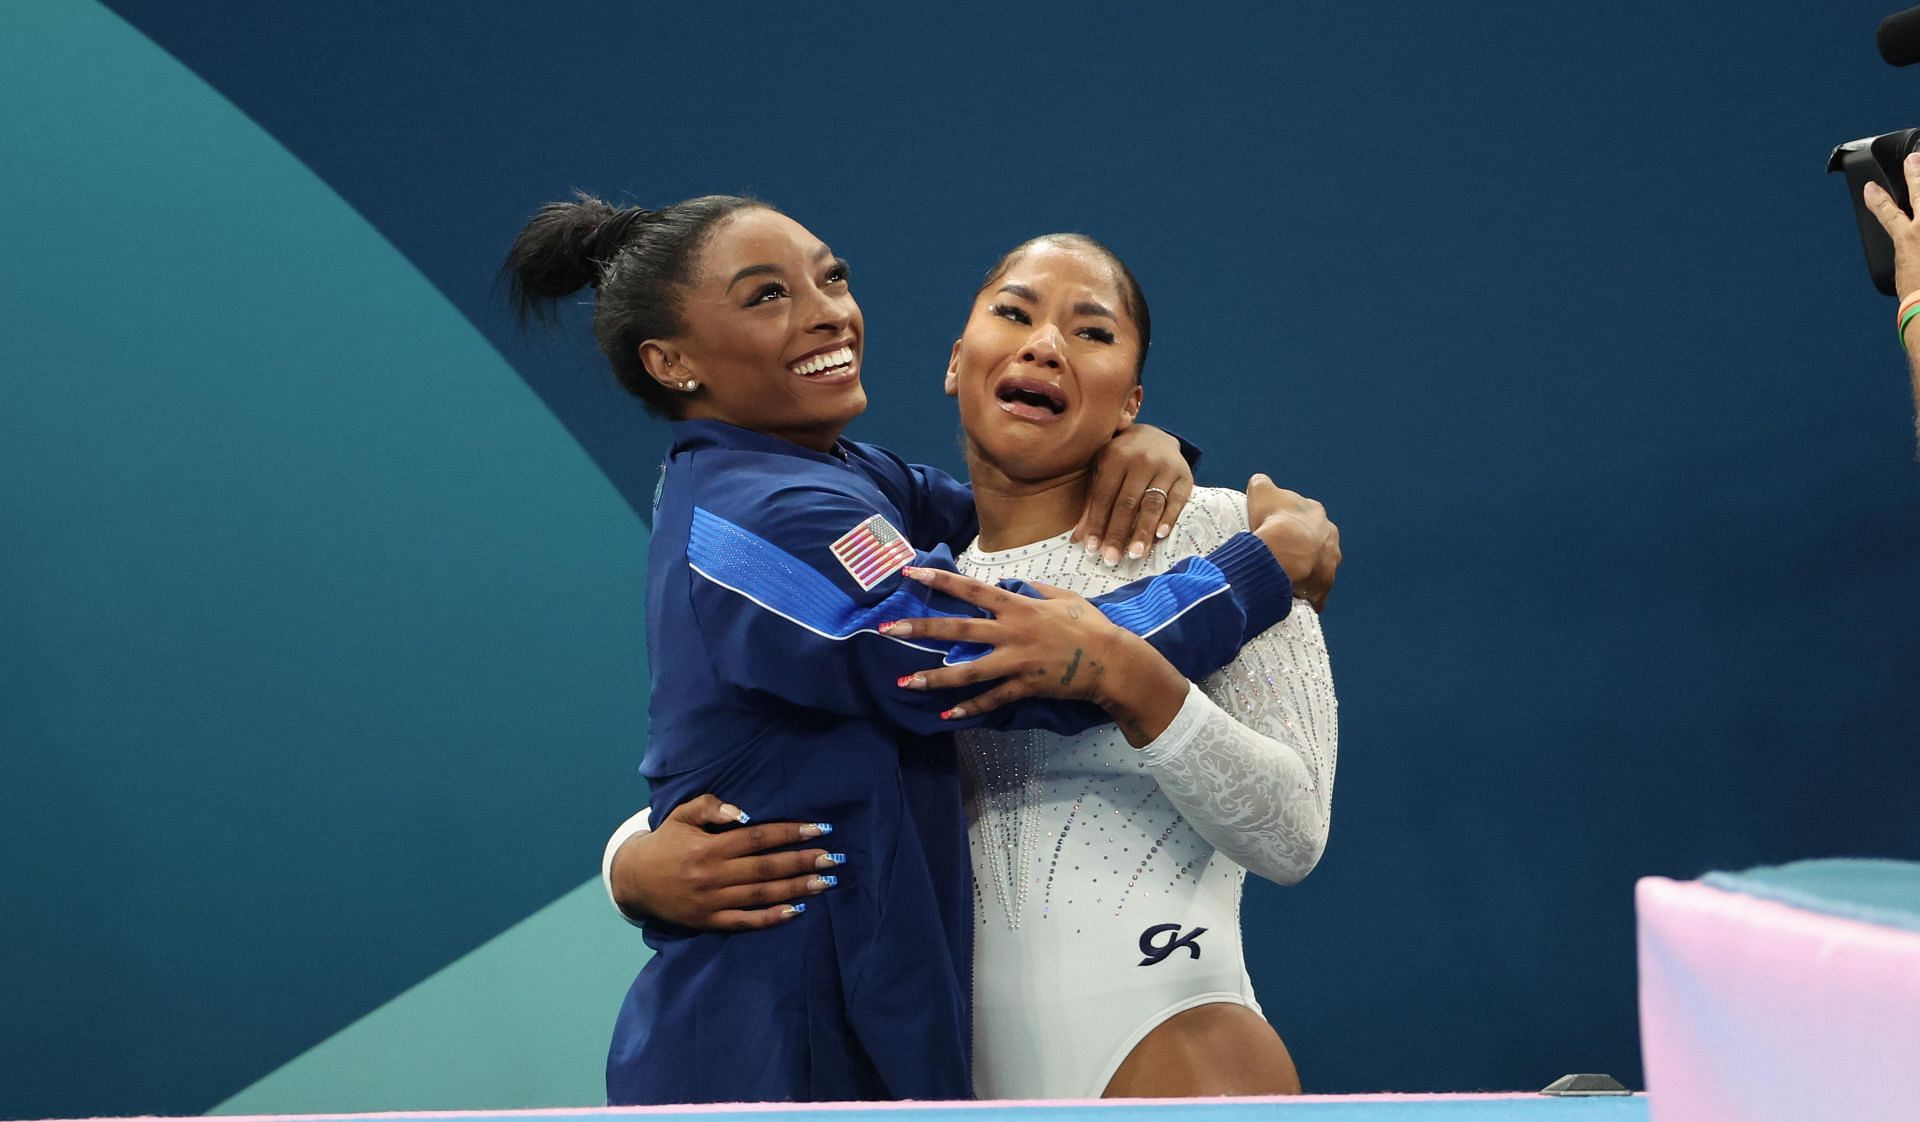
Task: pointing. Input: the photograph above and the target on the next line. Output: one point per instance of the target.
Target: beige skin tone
(1905, 233)
(1056, 316)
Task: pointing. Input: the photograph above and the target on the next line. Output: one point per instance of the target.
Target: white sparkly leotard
(1107, 879)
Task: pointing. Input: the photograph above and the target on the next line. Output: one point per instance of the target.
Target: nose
(1044, 348)
(831, 312)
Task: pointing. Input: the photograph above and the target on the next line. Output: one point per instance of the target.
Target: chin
(1034, 455)
(840, 412)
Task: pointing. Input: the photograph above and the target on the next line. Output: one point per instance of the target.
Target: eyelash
(838, 273)
(1019, 315)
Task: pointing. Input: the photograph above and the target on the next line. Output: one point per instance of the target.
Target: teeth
(817, 363)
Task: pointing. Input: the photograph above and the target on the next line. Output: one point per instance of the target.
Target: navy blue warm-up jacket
(770, 568)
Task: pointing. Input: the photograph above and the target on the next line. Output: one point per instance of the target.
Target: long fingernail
(1093, 544)
(821, 884)
(728, 810)
(794, 909)
(897, 628)
(885, 627)
(815, 829)
(1137, 550)
(914, 682)
(829, 860)
(1110, 557)
(953, 714)
(1163, 531)
(924, 576)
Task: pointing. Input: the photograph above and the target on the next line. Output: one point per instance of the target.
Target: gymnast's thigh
(1217, 1048)
(1057, 1013)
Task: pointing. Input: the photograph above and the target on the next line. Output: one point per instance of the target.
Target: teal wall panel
(322, 659)
(505, 1027)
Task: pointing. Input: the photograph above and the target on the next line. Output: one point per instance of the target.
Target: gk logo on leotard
(1156, 952)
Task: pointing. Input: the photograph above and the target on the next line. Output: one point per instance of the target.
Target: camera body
(1876, 159)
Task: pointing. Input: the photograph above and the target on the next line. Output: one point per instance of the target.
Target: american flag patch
(872, 551)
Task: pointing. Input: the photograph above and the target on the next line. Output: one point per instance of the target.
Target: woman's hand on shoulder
(1302, 538)
(1141, 483)
(701, 868)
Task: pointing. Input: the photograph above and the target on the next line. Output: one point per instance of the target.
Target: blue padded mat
(1865, 889)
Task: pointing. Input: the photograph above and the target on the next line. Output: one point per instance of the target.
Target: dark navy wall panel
(1552, 304)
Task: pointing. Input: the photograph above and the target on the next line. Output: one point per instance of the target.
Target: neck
(1016, 512)
(816, 438)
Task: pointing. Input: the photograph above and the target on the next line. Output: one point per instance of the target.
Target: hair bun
(611, 234)
(558, 252)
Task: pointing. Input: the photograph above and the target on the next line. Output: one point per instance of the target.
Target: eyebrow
(821, 254)
(1082, 308)
(754, 271)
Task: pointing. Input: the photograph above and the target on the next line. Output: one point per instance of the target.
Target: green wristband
(1904, 321)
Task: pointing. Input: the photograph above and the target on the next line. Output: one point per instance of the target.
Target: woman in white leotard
(1108, 866)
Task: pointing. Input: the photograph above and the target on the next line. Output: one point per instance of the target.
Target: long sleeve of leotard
(1249, 759)
(640, 823)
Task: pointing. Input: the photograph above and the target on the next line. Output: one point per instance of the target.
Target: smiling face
(1047, 370)
(770, 332)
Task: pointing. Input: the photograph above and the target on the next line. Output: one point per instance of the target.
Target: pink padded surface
(1752, 1010)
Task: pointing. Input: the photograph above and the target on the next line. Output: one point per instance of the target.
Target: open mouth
(825, 364)
(1031, 398)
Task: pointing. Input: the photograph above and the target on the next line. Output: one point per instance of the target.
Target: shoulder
(757, 490)
(753, 526)
(1213, 515)
(872, 457)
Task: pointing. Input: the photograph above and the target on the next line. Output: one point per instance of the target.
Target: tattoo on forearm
(1072, 668)
(1073, 611)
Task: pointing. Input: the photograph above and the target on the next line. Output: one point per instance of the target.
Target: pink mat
(1752, 1010)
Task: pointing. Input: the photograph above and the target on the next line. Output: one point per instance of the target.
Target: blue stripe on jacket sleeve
(1162, 601)
(778, 581)
(739, 559)
(1156, 601)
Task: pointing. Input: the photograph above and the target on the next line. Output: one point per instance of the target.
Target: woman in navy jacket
(781, 554)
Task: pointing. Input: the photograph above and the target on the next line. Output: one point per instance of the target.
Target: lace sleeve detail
(1249, 760)
(640, 823)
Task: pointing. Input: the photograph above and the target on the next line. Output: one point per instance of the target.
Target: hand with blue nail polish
(702, 868)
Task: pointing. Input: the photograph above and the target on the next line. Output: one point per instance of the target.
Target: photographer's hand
(1905, 233)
